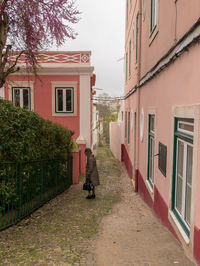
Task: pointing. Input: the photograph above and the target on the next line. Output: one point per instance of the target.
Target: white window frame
(64, 89)
(21, 89)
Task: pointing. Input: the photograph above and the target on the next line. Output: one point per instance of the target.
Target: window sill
(182, 232)
(150, 188)
(63, 114)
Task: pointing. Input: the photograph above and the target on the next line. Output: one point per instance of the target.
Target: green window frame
(182, 172)
(21, 97)
(129, 126)
(125, 124)
(137, 37)
(151, 149)
(64, 99)
(153, 18)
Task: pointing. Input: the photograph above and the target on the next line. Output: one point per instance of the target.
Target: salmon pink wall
(175, 86)
(43, 100)
(130, 106)
(175, 18)
(130, 35)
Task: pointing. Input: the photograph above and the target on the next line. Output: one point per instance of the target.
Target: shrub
(25, 136)
(27, 139)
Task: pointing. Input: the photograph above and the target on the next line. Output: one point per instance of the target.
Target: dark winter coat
(91, 170)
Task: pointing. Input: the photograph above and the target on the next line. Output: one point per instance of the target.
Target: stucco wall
(174, 92)
(42, 94)
(116, 139)
(174, 19)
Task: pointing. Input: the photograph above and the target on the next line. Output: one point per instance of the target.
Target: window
(129, 127)
(21, 97)
(182, 174)
(133, 42)
(130, 58)
(137, 35)
(64, 100)
(153, 18)
(122, 113)
(125, 124)
(151, 148)
(162, 158)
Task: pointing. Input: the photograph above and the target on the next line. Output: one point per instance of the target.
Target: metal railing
(26, 186)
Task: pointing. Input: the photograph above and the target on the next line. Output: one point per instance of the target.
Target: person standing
(91, 172)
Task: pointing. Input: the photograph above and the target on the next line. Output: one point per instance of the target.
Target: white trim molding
(63, 84)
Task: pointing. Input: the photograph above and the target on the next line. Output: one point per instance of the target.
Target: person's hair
(88, 151)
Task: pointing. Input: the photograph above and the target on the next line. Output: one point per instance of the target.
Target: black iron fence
(26, 186)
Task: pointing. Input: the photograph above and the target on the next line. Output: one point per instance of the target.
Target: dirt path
(132, 235)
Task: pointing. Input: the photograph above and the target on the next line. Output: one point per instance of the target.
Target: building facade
(162, 112)
(61, 92)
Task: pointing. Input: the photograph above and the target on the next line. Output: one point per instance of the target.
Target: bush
(25, 136)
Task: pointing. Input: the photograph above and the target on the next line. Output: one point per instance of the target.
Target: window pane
(68, 100)
(25, 98)
(152, 117)
(187, 127)
(179, 185)
(60, 100)
(180, 158)
(189, 183)
(151, 159)
(189, 164)
(188, 204)
(179, 176)
(17, 97)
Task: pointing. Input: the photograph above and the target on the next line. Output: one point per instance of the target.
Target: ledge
(180, 229)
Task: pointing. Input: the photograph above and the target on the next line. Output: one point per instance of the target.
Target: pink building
(61, 92)
(162, 101)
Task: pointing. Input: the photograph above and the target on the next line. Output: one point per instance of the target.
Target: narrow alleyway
(133, 236)
(69, 230)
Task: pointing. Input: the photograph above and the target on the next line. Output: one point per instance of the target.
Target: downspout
(138, 96)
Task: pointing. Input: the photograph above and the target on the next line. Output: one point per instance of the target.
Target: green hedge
(25, 136)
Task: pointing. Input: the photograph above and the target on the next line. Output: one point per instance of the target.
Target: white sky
(101, 31)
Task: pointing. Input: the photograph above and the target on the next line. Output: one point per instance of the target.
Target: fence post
(20, 189)
(41, 181)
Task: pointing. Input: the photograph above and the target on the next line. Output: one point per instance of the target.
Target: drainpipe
(138, 96)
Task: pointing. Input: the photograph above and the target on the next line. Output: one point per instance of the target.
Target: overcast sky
(101, 31)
